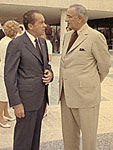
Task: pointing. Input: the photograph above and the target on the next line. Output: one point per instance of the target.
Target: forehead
(39, 17)
(71, 11)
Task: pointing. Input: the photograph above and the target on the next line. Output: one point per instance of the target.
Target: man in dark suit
(27, 75)
(2, 34)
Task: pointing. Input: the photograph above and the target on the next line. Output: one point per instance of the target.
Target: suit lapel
(29, 45)
(81, 38)
(67, 42)
(43, 49)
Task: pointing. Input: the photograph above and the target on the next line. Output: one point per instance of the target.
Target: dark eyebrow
(69, 16)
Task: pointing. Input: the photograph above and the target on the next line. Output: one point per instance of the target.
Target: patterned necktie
(72, 40)
(38, 48)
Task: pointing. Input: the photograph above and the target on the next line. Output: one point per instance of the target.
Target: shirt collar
(81, 29)
(32, 38)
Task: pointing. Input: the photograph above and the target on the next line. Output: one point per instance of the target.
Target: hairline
(77, 8)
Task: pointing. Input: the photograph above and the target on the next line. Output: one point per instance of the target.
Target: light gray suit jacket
(83, 68)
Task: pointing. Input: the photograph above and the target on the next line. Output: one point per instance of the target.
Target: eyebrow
(69, 15)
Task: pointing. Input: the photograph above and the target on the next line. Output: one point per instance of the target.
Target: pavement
(51, 136)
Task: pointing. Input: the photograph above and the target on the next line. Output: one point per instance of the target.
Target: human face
(72, 20)
(38, 28)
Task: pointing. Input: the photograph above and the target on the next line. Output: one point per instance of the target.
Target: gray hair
(80, 11)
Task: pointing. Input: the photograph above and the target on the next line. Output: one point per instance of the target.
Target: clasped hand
(47, 76)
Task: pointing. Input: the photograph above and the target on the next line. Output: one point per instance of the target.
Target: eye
(68, 16)
(41, 22)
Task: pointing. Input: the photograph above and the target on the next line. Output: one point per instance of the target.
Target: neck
(33, 34)
(80, 26)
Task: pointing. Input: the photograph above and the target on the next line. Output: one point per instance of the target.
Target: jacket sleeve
(10, 73)
(102, 56)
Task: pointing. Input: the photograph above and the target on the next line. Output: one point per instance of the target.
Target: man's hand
(19, 111)
(47, 77)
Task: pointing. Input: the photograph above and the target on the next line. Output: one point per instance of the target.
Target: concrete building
(100, 13)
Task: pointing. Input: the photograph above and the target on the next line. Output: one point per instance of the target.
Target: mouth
(68, 24)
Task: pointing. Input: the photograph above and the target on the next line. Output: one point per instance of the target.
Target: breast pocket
(81, 57)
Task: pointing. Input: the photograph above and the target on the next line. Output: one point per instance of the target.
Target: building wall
(100, 5)
(89, 4)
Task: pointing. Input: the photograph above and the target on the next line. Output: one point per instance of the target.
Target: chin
(42, 32)
(70, 27)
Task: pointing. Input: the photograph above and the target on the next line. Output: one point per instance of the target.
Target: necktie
(72, 40)
(38, 48)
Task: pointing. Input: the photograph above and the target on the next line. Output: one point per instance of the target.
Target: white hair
(80, 11)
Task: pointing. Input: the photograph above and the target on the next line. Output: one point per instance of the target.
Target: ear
(30, 26)
(80, 19)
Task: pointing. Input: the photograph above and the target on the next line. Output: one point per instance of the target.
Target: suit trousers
(75, 120)
(27, 129)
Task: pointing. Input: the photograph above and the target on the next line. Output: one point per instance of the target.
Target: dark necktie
(72, 40)
(38, 49)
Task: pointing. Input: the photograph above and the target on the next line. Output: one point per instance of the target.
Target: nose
(67, 19)
(44, 25)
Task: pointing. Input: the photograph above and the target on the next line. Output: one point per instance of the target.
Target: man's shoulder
(95, 33)
(19, 39)
(16, 41)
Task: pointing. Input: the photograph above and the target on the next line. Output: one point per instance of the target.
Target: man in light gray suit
(85, 62)
(27, 75)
